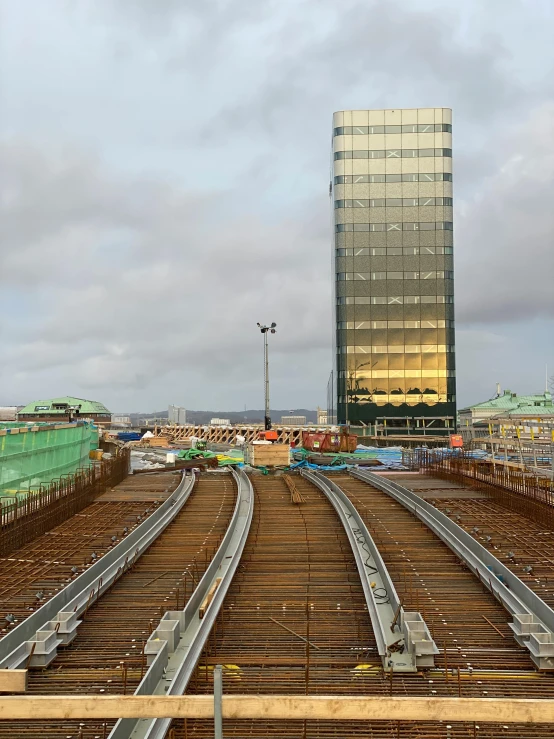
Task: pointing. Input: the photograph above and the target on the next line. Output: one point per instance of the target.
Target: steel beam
(403, 640)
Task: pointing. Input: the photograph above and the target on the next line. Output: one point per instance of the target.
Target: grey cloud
(62, 212)
(505, 232)
(167, 186)
(186, 293)
(379, 51)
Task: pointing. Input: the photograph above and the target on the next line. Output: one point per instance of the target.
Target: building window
(391, 202)
(430, 275)
(393, 251)
(396, 300)
(397, 349)
(353, 179)
(410, 128)
(405, 226)
(391, 153)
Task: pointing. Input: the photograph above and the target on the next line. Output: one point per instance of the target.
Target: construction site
(281, 598)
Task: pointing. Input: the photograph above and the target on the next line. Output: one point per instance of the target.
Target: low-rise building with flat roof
(293, 420)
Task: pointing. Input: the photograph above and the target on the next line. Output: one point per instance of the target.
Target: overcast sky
(164, 186)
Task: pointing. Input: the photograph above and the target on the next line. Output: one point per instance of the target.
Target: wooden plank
(269, 707)
(13, 681)
(268, 455)
(209, 597)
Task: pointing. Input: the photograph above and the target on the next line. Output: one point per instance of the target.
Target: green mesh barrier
(33, 455)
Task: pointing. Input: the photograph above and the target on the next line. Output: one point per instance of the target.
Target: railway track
(295, 619)
(33, 574)
(107, 655)
(526, 547)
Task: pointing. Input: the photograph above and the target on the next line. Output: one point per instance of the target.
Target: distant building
(220, 422)
(176, 414)
(293, 420)
(322, 417)
(65, 409)
(8, 413)
(118, 420)
(391, 191)
(508, 405)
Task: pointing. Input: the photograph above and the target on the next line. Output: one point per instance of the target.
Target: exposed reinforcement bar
(34, 642)
(174, 648)
(533, 619)
(403, 639)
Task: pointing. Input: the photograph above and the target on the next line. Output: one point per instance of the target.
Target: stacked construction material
(223, 460)
(381, 457)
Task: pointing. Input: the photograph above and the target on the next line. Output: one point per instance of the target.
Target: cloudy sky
(164, 170)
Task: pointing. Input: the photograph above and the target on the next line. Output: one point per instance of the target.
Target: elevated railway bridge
(423, 606)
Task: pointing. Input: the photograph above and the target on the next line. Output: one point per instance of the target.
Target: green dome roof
(59, 406)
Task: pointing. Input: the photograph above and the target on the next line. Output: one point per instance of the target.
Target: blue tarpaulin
(129, 435)
(309, 466)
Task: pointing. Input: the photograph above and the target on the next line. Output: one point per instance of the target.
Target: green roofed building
(509, 405)
(65, 409)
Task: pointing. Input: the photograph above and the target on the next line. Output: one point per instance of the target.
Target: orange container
(326, 441)
(456, 441)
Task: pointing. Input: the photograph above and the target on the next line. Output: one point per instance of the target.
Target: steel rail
(174, 648)
(533, 619)
(35, 641)
(403, 640)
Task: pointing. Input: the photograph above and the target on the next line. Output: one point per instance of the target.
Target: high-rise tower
(394, 290)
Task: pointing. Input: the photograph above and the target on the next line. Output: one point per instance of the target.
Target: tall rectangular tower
(394, 290)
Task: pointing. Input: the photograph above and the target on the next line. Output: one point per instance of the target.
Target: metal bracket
(218, 702)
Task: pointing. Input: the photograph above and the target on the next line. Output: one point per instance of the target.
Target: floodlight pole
(265, 330)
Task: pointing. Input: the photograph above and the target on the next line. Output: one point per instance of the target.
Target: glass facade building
(391, 192)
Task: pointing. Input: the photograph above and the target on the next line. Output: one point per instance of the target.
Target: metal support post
(218, 697)
(265, 330)
(267, 418)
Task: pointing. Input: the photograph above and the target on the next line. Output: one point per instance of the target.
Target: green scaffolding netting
(30, 456)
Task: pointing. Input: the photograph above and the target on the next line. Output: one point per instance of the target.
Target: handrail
(55, 623)
(403, 640)
(533, 623)
(174, 648)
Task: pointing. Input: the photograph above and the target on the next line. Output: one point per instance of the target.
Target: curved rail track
(295, 618)
(33, 574)
(107, 655)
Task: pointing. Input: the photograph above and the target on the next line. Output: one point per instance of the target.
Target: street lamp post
(265, 330)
